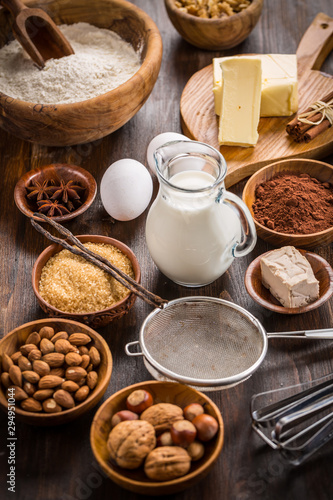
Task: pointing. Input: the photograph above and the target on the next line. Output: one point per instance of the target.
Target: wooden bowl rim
(153, 57)
(100, 388)
(252, 8)
(271, 166)
(255, 265)
(154, 484)
(55, 248)
(22, 183)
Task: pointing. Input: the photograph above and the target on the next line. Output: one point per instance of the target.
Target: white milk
(190, 236)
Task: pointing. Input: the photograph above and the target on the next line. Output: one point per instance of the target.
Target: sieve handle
(305, 334)
(130, 344)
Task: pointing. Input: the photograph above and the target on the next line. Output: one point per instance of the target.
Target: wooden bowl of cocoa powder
(291, 202)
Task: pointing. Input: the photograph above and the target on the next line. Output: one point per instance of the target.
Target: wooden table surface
(57, 463)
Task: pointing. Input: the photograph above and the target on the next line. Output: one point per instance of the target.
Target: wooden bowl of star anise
(61, 191)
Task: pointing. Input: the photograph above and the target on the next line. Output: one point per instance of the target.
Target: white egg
(158, 141)
(126, 189)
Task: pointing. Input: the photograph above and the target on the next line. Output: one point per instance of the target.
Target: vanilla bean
(96, 259)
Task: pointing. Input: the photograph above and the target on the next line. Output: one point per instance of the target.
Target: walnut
(162, 415)
(130, 442)
(166, 463)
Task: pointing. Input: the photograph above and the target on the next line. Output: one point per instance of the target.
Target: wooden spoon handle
(316, 44)
(14, 6)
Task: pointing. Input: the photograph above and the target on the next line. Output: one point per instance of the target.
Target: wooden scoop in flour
(37, 33)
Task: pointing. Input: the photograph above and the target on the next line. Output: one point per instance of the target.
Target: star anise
(40, 190)
(52, 208)
(67, 192)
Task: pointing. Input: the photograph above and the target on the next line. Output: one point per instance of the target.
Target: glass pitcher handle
(248, 227)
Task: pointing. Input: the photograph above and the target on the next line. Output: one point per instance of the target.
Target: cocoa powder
(294, 204)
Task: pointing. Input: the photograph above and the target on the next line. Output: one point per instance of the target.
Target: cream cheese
(289, 277)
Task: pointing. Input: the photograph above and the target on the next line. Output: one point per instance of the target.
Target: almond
(59, 372)
(24, 363)
(51, 406)
(62, 345)
(83, 350)
(82, 393)
(26, 348)
(15, 375)
(54, 359)
(46, 332)
(74, 348)
(7, 362)
(79, 339)
(34, 354)
(14, 357)
(92, 379)
(95, 357)
(46, 346)
(29, 388)
(5, 380)
(31, 404)
(90, 367)
(81, 382)
(75, 373)
(50, 381)
(41, 367)
(70, 386)
(43, 394)
(85, 361)
(64, 398)
(73, 359)
(31, 376)
(19, 393)
(59, 335)
(33, 338)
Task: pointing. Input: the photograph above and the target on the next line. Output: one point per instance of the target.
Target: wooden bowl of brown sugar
(291, 202)
(68, 286)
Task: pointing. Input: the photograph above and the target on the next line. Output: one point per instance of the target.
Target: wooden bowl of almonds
(53, 371)
(158, 467)
(93, 92)
(214, 24)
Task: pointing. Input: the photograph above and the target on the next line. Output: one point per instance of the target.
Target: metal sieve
(206, 342)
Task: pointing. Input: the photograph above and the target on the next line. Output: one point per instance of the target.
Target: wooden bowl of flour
(93, 118)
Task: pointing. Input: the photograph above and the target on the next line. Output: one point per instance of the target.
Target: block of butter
(241, 92)
(289, 277)
(279, 87)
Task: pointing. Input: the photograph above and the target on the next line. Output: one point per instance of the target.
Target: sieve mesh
(203, 340)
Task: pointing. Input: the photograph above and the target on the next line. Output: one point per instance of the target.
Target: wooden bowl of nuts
(174, 436)
(50, 119)
(53, 370)
(81, 291)
(61, 191)
(291, 202)
(214, 25)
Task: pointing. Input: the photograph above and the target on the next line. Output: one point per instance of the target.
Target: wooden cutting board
(200, 123)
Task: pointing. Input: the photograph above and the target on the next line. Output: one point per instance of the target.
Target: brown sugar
(74, 285)
(294, 204)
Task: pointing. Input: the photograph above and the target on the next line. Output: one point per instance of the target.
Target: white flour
(102, 61)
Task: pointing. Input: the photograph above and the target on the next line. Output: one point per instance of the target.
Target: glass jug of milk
(195, 227)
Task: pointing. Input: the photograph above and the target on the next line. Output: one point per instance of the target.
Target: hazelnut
(139, 400)
(196, 450)
(183, 433)
(164, 439)
(193, 410)
(123, 415)
(206, 426)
